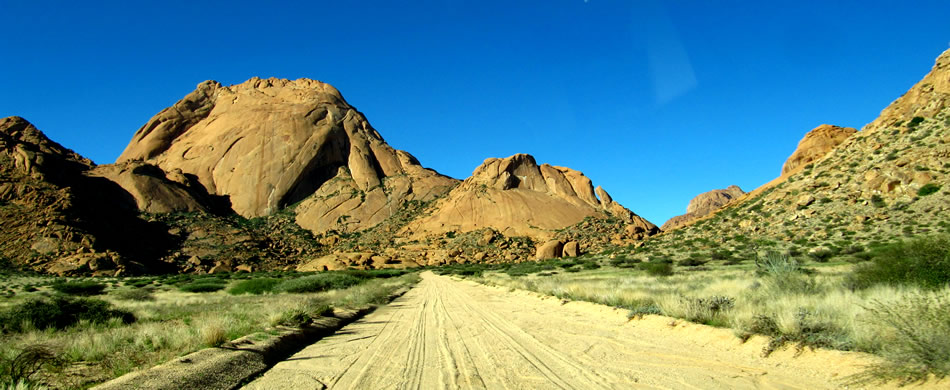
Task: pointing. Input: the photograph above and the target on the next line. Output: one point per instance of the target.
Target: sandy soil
(446, 333)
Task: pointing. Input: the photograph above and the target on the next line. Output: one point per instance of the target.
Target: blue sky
(656, 101)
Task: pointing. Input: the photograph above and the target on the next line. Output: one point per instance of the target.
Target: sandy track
(446, 333)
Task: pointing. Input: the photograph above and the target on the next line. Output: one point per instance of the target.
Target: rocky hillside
(61, 216)
(703, 205)
(884, 182)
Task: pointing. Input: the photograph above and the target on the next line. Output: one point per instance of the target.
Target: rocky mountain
(279, 174)
(517, 197)
(884, 182)
(268, 144)
(703, 205)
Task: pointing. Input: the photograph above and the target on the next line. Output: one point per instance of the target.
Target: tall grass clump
(783, 275)
(203, 285)
(657, 268)
(922, 262)
(320, 282)
(916, 338)
(59, 312)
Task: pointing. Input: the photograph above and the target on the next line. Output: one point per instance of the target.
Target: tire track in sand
(449, 334)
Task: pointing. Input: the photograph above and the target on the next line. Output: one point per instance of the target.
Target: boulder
(549, 250)
(571, 249)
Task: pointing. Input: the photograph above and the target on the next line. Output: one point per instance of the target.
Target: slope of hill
(884, 182)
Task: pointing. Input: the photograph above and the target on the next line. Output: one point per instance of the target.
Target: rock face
(267, 144)
(815, 145)
(152, 189)
(518, 197)
(703, 205)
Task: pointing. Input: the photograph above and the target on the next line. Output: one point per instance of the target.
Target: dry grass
(825, 312)
(174, 323)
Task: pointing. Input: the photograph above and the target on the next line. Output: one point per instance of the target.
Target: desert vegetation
(892, 301)
(73, 333)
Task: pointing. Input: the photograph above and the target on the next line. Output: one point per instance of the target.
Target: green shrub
(254, 286)
(923, 262)
(917, 344)
(59, 312)
(202, 286)
(691, 262)
(915, 121)
(657, 269)
(80, 288)
(928, 189)
(320, 282)
(624, 262)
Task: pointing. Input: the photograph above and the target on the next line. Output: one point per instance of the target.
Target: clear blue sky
(656, 101)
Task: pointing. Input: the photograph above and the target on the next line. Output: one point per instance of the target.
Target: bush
(928, 189)
(624, 262)
(202, 286)
(923, 262)
(254, 286)
(691, 262)
(917, 341)
(317, 283)
(80, 288)
(808, 333)
(657, 269)
(783, 275)
(59, 312)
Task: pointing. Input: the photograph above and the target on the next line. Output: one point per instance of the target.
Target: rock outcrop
(815, 145)
(268, 144)
(518, 197)
(155, 191)
(703, 205)
(926, 99)
(59, 217)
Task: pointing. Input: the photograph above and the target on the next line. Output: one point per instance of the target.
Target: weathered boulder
(571, 249)
(550, 250)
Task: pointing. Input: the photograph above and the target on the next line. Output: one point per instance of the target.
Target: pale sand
(446, 333)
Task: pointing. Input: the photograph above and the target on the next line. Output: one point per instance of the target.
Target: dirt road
(446, 333)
